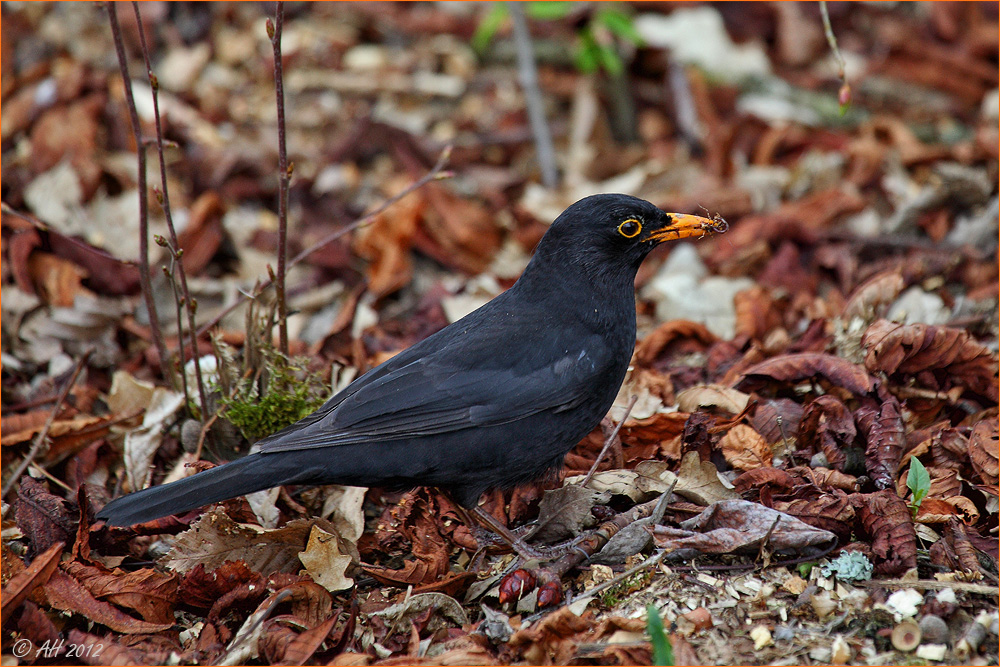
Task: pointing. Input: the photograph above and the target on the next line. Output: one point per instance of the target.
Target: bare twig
(528, 72)
(436, 173)
(284, 176)
(144, 275)
(844, 96)
(190, 305)
(609, 440)
(42, 438)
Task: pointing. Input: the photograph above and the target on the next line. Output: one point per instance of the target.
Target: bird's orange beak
(682, 226)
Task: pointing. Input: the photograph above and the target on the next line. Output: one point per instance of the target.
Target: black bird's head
(610, 234)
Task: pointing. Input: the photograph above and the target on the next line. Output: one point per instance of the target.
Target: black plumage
(494, 400)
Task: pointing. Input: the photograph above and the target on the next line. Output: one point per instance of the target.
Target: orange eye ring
(630, 228)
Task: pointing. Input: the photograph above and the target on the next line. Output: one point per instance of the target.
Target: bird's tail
(246, 475)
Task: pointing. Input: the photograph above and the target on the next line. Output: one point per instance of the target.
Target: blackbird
(491, 401)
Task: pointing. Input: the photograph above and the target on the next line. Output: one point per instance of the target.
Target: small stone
(935, 630)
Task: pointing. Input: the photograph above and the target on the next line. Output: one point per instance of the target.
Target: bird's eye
(630, 228)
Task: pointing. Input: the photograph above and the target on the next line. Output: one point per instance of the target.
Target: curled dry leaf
(65, 593)
(881, 424)
(873, 295)
(731, 526)
(20, 586)
(885, 519)
(201, 587)
(712, 395)
(825, 478)
(552, 640)
(462, 232)
(757, 313)
(829, 511)
(565, 512)
(942, 510)
(654, 345)
(151, 594)
(699, 481)
(386, 243)
(983, 450)
(744, 448)
(777, 419)
(915, 348)
(809, 365)
(43, 518)
(301, 646)
(777, 481)
(215, 538)
(828, 426)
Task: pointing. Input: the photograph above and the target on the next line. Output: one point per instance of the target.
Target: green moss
(285, 393)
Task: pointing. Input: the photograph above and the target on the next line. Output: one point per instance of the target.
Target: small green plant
(596, 48)
(663, 652)
(805, 569)
(286, 393)
(918, 480)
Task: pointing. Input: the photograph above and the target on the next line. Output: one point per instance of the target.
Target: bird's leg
(522, 548)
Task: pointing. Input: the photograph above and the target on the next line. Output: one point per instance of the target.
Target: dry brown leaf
(732, 526)
(203, 235)
(941, 510)
(828, 426)
(387, 243)
(712, 395)
(745, 449)
(65, 593)
(915, 349)
(202, 588)
(777, 419)
(564, 512)
(152, 594)
(303, 645)
(983, 450)
(325, 562)
(830, 511)
(57, 280)
(881, 424)
(655, 343)
(20, 586)
(699, 481)
(757, 313)
(886, 521)
(553, 639)
(871, 296)
(809, 365)
(43, 517)
(215, 538)
(463, 232)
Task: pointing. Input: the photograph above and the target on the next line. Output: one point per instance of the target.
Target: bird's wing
(431, 395)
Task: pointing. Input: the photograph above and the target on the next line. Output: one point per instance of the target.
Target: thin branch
(609, 440)
(528, 72)
(844, 96)
(42, 438)
(190, 305)
(284, 177)
(437, 173)
(144, 275)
